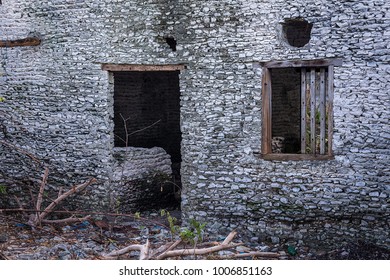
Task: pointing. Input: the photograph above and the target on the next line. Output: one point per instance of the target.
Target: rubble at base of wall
(141, 179)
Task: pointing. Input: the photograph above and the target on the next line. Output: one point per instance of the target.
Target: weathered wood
(313, 110)
(302, 63)
(142, 67)
(293, 157)
(322, 111)
(303, 111)
(330, 109)
(266, 112)
(26, 42)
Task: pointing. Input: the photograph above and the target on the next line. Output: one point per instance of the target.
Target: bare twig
(66, 220)
(253, 254)
(74, 189)
(142, 129)
(145, 220)
(40, 216)
(40, 194)
(20, 150)
(19, 203)
(3, 257)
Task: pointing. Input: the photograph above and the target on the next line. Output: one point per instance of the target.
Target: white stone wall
(63, 101)
(226, 181)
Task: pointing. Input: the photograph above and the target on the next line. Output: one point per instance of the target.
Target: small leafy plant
(3, 189)
(171, 221)
(192, 234)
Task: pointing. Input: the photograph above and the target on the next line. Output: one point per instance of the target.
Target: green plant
(171, 221)
(194, 232)
(3, 189)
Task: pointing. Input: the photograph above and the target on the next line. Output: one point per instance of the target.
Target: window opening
(297, 109)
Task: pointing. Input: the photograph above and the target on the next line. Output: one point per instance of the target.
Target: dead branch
(67, 220)
(22, 151)
(3, 257)
(41, 215)
(40, 195)
(229, 238)
(253, 254)
(203, 251)
(135, 217)
(42, 188)
(194, 251)
(19, 203)
(162, 253)
(144, 251)
(74, 189)
(163, 249)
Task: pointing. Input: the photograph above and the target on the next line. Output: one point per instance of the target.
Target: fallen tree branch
(134, 216)
(169, 252)
(252, 254)
(171, 247)
(74, 189)
(67, 220)
(194, 251)
(39, 217)
(144, 251)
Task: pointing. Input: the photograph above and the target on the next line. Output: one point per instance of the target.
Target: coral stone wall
(60, 98)
(227, 183)
(62, 107)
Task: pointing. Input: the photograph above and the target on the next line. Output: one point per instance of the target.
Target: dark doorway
(149, 103)
(147, 112)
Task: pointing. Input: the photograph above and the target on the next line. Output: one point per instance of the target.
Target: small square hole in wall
(171, 43)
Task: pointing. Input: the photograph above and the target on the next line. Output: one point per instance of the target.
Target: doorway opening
(147, 115)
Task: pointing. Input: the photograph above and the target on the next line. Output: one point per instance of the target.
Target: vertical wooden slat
(330, 108)
(313, 110)
(322, 111)
(267, 112)
(303, 111)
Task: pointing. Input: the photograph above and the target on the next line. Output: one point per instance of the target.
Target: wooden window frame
(266, 148)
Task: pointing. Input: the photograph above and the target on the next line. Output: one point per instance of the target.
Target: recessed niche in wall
(171, 43)
(297, 31)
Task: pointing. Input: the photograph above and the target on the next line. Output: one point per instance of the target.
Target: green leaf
(3, 189)
(291, 250)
